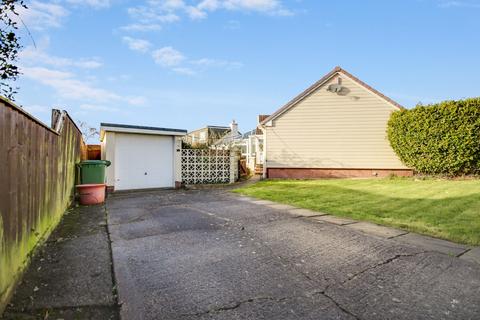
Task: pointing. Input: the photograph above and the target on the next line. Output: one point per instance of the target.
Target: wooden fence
(94, 152)
(37, 178)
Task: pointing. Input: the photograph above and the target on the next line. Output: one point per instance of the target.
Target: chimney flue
(234, 128)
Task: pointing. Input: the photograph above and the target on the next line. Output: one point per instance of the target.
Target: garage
(142, 157)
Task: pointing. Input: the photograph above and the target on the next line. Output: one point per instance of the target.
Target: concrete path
(71, 276)
(213, 255)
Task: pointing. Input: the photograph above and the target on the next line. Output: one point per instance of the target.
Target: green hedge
(441, 138)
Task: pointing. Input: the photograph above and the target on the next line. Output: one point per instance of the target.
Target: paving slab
(376, 230)
(472, 255)
(263, 202)
(300, 212)
(280, 206)
(432, 244)
(335, 220)
(245, 198)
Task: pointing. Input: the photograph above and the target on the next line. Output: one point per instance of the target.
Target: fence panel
(37, 178)
(206, 166)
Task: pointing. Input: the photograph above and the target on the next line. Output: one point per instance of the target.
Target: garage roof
(126, 128)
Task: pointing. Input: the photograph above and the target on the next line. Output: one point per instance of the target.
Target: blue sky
(186, 63)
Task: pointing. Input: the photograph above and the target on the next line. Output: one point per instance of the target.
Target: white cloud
(210, 5)
(272, 7)
(169, 4)
(40, 72)
(458, 4)
(184, 71)
(146, 14)
(94, 107)
(141, 27)
(136, 101)
(158, 12)
(34, 109)
(42, 15)
(135, 44)
(168, 57)
(150, 17)
(37, 56)
(195, 13)
(96, 4)
(168, 18)
(176, 61)
(206, 62)
(67, 85)
(88, 64)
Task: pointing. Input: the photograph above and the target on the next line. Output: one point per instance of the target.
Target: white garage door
(143, 161)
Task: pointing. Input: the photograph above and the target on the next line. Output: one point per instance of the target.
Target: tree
(88, 132)
(9, 45)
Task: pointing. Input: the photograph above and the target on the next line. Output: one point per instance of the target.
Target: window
(203, 137)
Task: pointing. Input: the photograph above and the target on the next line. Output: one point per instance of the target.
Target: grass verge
(447, 209)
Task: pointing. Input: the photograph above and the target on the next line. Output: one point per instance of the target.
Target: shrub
(441, 138)
(186, 145)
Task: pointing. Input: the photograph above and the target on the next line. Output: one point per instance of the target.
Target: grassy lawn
(448, 209)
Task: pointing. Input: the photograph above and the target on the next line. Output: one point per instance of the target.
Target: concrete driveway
(209, 254)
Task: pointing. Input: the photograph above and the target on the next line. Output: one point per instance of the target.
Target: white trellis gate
(208, 166)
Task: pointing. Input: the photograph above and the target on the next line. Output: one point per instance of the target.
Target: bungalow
(231, 137)
(335, 128)
(205, 136)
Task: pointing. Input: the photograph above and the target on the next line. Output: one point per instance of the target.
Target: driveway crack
(356, 275)
(232, 306)
(321, 292)
(382, 263)
(338, 305)
(237, 304)
(324, 292)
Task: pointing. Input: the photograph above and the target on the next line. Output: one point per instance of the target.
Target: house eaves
(321, 82)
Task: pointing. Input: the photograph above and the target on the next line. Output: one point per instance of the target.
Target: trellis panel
(206, 166)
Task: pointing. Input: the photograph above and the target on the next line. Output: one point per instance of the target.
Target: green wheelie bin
(93, 171)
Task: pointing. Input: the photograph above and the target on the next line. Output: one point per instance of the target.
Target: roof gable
(321, 82)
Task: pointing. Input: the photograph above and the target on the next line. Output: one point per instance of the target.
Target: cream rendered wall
(327, 130)
(108, 153)
(177, 161)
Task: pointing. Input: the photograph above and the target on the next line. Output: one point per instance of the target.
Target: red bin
(91, 193)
